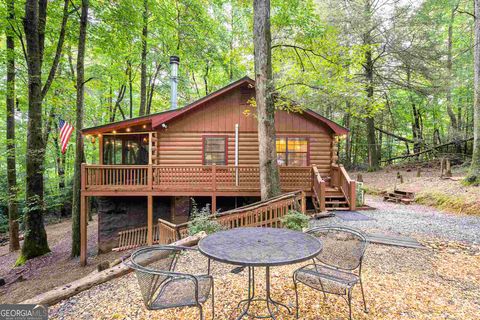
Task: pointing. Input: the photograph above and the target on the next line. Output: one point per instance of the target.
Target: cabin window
(125, 149)
(215, 150)
(292, 151)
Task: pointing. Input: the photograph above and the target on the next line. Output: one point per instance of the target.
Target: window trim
(205, 137)
(286, 137)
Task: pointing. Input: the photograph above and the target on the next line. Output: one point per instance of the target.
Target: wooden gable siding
(181, 142)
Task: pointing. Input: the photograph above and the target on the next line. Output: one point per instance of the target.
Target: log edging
(73, 288)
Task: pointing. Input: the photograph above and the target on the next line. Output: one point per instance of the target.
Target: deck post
(150, 177)
(150, 220)
(214, 177)
(304, 203)
(83, 229)
(83, 176)
(353, 195)
(214, 203)
(100, 149)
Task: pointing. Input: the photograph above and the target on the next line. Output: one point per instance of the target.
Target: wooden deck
(213, 181)
(186, 180)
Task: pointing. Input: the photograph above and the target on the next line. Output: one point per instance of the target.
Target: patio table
(260, 247)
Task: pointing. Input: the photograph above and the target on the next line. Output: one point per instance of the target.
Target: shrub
(295, 220)
(202, 221)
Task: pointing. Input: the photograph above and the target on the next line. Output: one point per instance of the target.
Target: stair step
(336, 202)
(338, 209)
(335, 196)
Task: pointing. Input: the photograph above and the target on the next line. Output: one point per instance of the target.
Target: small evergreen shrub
(202, 221)
(295, 220)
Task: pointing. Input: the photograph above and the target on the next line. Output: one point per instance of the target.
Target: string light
(114, 131)
(128, 130)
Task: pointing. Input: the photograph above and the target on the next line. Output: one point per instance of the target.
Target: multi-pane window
(292, 151)
(214, 150)
(125, 149)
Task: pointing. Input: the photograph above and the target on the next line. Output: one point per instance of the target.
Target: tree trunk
(130, 87)
(269, 175)
(373, 152)
(143, 76)
(60, 160)
(14, 243)
(35, 241)
(79, 155)
(474, 173)
(450, 112)
(348, 140)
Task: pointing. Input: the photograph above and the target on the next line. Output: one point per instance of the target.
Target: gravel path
(414, 221)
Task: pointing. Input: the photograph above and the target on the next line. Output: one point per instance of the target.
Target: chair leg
(213, 300)
(349, 300)
(296, 297)
(363, 296)
(201, 312)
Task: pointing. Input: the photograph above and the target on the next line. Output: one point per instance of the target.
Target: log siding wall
(181, 143)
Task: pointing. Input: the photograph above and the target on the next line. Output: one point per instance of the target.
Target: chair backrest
(153, 266)
(343, 248)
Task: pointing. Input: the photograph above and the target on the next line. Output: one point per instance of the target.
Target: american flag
(65, 132)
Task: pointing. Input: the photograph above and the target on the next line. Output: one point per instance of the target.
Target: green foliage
(202, 220)
(3, 222)
(471, 180)
(295, 220)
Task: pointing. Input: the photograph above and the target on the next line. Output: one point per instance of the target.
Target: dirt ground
(399, 283)
(56, 268)
(445, 194)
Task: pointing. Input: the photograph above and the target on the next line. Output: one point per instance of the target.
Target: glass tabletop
(260, 246)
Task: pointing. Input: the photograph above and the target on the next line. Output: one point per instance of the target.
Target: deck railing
(136, 237)
(260, 214)
(341, 179)
(187, 178)
(319, 188)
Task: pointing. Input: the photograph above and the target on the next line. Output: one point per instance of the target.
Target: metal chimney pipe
(174, 62)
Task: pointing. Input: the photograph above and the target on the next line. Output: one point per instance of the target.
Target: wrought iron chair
(338, 268)
(162, 287)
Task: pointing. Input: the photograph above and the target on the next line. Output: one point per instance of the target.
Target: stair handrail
(319, 187)
(180, 230)
(348, 187)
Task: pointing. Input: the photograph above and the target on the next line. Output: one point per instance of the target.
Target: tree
(143, 76)
(35, 238)
(79, 150)
(11, 157)
(474, 173)
(269, 175)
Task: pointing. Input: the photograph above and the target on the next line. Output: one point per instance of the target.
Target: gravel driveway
(414, 221)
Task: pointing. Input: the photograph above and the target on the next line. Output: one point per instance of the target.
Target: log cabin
(151, 167)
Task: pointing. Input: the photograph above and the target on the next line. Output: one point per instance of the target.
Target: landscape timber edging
(68, 290)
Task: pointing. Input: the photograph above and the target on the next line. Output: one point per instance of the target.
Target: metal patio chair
(338, 268)
(162, 287)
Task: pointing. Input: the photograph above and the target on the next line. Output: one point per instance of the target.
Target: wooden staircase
(335, 200)
(334, 192)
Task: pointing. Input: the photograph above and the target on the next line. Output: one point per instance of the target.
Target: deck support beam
(214, 203)
(150, 220)
(83, 229)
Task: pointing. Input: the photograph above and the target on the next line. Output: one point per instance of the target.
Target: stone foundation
(120, 213)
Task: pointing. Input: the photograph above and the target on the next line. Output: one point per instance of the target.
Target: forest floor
(53, 269)
(445, 194)
(439, 282)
